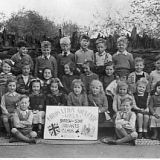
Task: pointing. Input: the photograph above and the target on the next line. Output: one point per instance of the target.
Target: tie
(65, 54)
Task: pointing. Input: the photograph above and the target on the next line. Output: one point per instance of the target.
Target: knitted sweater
(74, 100)
(42, 63)
(123, 61)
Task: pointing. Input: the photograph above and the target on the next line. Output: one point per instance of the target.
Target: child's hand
(157, 116)
(40, 106)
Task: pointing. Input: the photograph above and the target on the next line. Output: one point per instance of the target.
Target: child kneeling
(125, 123)
(22, 122)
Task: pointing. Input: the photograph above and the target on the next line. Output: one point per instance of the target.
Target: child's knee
(134, 135)
(14, 130)
(33, 134)
(118, 126)
(5, 119)
(139, 115)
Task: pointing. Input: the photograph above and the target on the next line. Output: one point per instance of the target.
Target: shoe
(133, 142)
(13, 139)
(140, 135)
(146, 136)
(112, 142)
(33, 141)
(154, 138)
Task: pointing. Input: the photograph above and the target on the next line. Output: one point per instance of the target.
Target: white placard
(67, 122)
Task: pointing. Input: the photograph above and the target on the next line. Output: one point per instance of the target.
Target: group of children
(117, 85)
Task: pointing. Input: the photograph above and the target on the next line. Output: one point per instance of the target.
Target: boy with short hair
(83, 54)
(20, 57)
(45, 60)
(125, 123)
(22, 122)
(65, 57)
(137, 74)
(101, 57)
(123, 60)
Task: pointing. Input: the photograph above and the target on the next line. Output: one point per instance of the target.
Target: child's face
(54, 87)
(47, 74)
(123, 78)
(26, 70)
(121, 46)
(96, 89)
(123, 90)
(158, 90)
(101, 47)
(12, 87)
(77, 89)
(36, 87)
(24, 104)
(139, 66)
(23, 51)
(126, 107)
(84, 43)
(141, 88)
(6, 68)
(157, 64)
(46, 51)
(86, 69)
(109, 70)
(65, 47)
(67, 69)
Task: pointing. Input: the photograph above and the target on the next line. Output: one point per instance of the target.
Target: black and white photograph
(80, 79)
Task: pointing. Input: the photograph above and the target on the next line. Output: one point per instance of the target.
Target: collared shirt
(101, 59)
(82, 56)
(2, 73)
(125, 53)
(44, 57)
(25, 78)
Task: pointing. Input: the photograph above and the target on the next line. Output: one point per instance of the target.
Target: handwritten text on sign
(66, 122)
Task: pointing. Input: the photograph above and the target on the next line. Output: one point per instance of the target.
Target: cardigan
(77, 100)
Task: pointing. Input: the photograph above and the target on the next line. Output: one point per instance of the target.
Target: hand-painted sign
(66, 122)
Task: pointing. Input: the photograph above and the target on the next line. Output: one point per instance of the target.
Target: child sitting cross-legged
(125, 123)
(22, 122)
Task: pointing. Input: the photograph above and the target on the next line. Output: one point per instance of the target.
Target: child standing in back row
(65, 57)
(137, 74)
(123, 61)
(101, 57)
(46, 60)
(83, 54)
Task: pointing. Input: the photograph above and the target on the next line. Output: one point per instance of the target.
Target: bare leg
(6, 125)
(21, 137)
